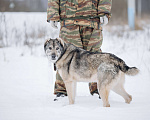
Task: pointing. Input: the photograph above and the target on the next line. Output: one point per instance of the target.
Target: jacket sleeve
(53, 10)
(104, 8)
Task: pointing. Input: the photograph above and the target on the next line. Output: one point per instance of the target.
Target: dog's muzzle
(53, 56)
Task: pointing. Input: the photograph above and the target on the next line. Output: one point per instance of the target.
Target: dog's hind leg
(104, 93)
(70, 91)
(119, 88)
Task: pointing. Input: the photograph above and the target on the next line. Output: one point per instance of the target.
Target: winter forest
(27, 77)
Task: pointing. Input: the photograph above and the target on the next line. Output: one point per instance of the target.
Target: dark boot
(93, 89)
(59, 95)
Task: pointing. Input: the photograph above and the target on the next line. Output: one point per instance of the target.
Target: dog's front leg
(74, 89)
(70, 91)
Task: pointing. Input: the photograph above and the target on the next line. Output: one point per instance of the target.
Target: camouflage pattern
(93, 88)
(77, 10)
(87, 38)
(104, 6)
(93, 23)
(59, 85)
(80, 25)
(53, 10)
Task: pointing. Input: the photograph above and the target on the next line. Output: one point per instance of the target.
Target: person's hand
(54, 24)
(104, 20)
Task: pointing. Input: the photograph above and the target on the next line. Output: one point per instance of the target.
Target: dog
(78, 65)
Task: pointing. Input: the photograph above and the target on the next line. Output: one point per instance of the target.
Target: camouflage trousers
(87, 38)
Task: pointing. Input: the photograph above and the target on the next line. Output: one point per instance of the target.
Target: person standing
(81, 25)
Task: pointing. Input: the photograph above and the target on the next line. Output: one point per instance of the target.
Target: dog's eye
(50, 48)
(57, 48)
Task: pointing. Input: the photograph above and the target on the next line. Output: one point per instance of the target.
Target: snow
(27, 78)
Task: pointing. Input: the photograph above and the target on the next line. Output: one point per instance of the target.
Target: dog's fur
(77, 65)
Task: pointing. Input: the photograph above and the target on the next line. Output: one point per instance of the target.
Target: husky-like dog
(77, 65)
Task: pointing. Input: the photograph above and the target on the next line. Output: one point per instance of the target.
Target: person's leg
(85, 36)
(59, 85)
(70, 34)
(92, 41)
(95, 41)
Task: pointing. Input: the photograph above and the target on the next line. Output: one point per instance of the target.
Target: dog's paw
(129, 99)
(106, 105)
(71, 102)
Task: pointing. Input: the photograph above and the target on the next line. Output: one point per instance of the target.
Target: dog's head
(54, 49)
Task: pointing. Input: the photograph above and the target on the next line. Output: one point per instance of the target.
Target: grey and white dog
(77, 65)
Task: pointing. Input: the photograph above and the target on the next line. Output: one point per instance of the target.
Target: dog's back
(88, 62)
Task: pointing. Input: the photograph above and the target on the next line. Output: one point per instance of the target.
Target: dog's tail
(123, 67)
(132, 71)
(129, 70)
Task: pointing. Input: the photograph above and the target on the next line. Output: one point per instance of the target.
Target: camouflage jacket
(79, 12)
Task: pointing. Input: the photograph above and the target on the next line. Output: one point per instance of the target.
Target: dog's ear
(46, 43)
(61, 41)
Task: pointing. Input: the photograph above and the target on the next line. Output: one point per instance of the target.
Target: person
(81, 25)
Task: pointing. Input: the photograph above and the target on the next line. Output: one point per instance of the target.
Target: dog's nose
(53, 56)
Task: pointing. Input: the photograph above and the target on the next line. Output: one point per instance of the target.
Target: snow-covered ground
(26, 78)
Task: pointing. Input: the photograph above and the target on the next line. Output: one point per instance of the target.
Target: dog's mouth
(53, 58)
